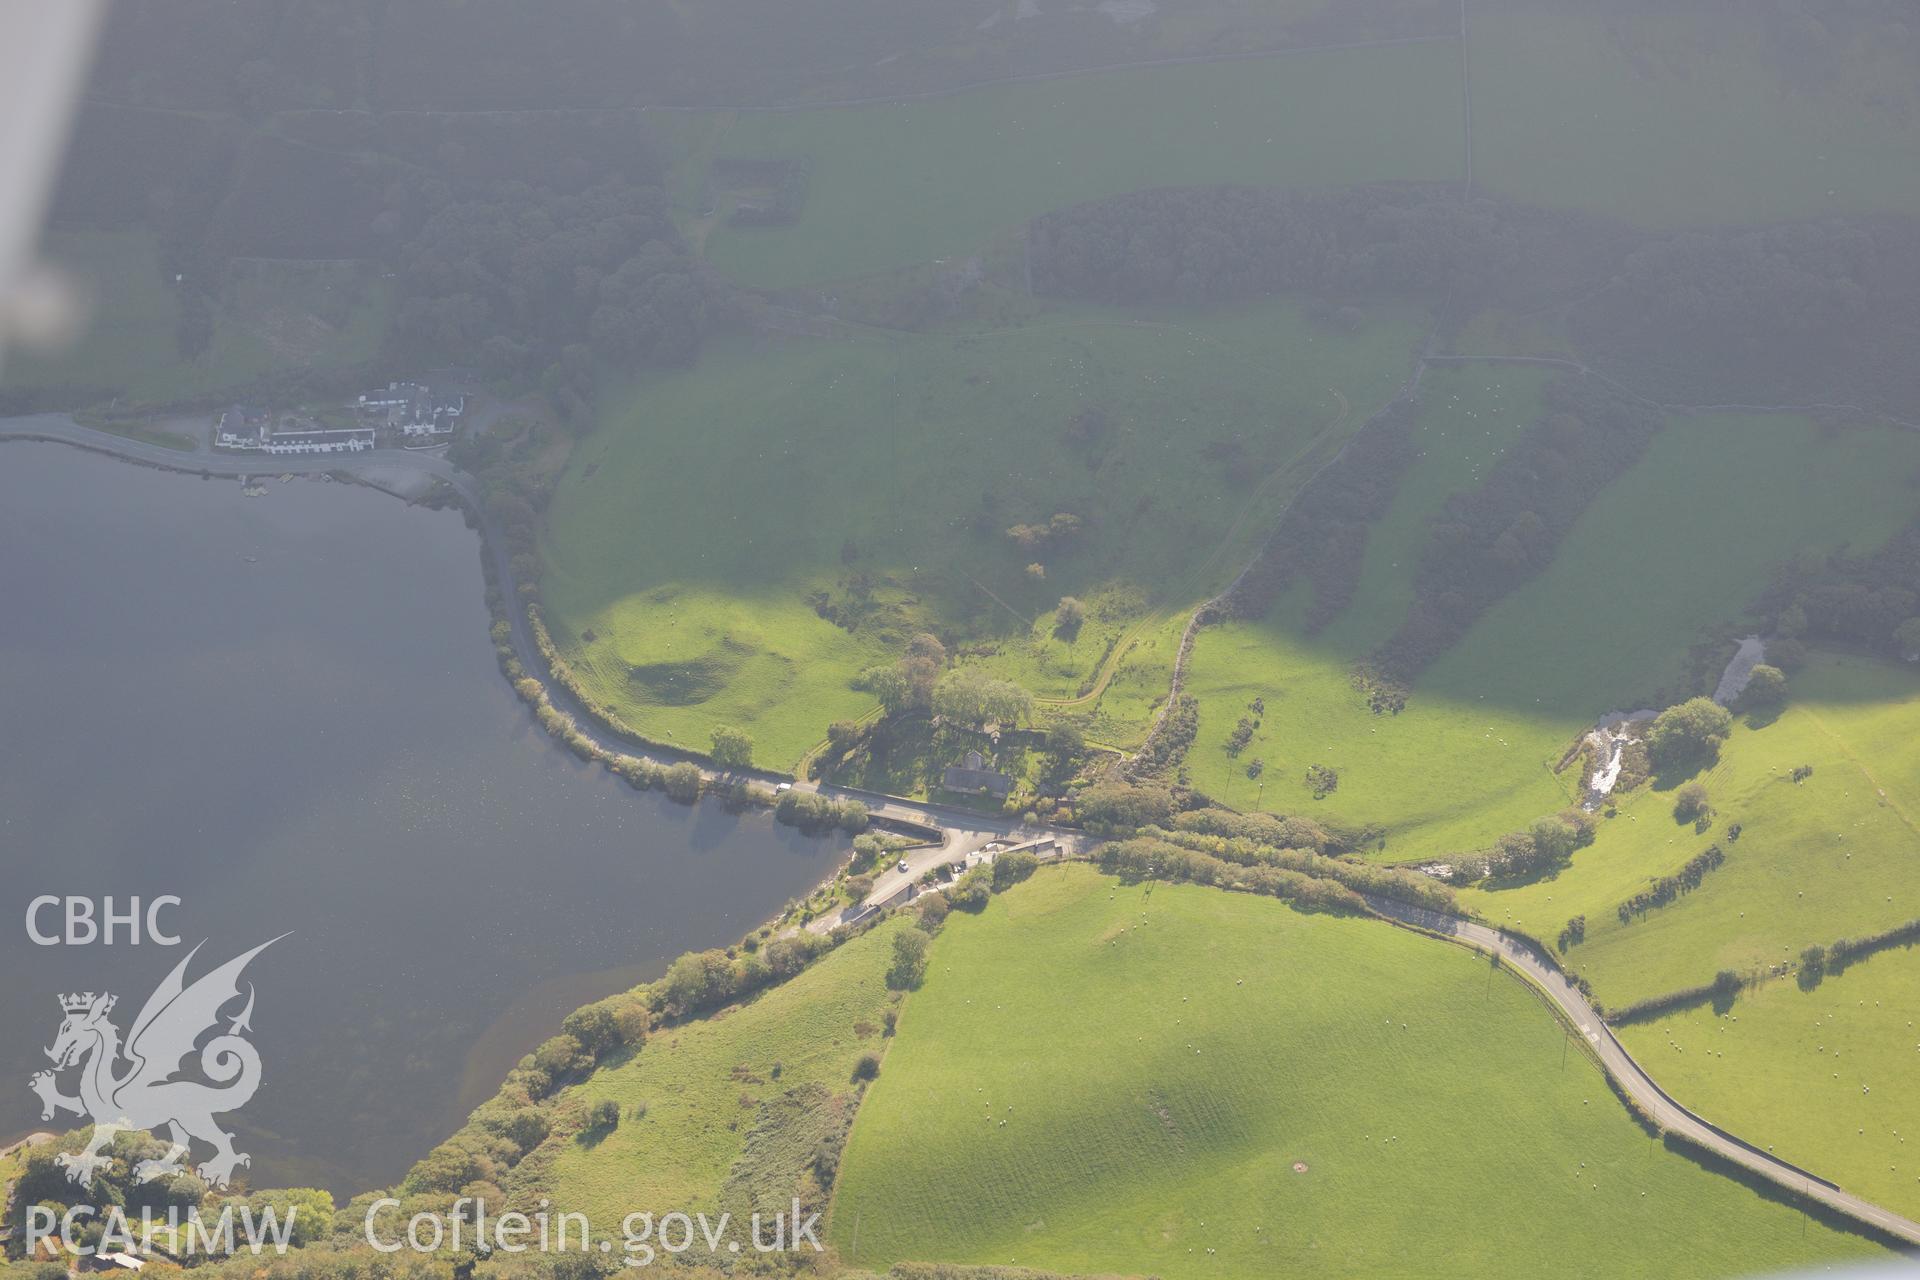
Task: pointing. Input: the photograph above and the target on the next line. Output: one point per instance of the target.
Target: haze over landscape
(1176, 638)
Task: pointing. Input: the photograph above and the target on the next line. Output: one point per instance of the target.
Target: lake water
(285, 710)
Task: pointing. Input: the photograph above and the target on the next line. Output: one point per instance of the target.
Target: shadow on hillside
(1676, 775)
(1768, 1189)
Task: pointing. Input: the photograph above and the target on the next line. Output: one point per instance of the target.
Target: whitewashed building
(412, 409)
(240, 428)
(311, 437)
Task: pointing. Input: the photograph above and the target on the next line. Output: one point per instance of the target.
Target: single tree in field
(1766, 687)
(1691, 804)
(1553, 841)
(732, 747)
(1689, 732)
(1068, 616)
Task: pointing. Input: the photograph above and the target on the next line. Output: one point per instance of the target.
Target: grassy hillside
(1837, 855)
(868, 489)
(1677, 546)
(1613, 112)
(893, 185)
(1824, 1075)
(1204, 1084)
(1606, 112)
(1391, 771)
(691, 1098)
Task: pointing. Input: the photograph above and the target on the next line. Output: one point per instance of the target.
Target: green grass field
(1835, 856)
(1205, 1084)
(1825, 1076)
(271, 316)
(702, 1084)
(894, 185)
(1678, 545)
(875, 479)
(1614, 113)
(1390, 770)
(1572, 109)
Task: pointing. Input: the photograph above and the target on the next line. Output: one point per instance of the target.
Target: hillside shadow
(1676, 775)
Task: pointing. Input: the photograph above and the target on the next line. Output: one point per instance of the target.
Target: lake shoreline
(314, 638)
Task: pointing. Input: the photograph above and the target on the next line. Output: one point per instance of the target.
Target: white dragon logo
(147, 1095)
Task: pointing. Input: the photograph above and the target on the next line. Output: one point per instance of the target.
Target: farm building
(973, 777)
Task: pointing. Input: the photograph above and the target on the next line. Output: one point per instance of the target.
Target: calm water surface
(285, 710)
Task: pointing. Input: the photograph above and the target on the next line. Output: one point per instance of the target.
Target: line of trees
(1816, 961)
(1260, 828)
(1725, 986)
(1822, 310)
(1667, 888)
(1488, 542)
(1323, 535)
(1550, 842)
(812, 812)
(1145, 857)
(1167, 745)
(1241, 851)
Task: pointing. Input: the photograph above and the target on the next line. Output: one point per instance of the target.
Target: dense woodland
(491, 157)
(1869, 600)
(1491, 540)
(529, 245)
(1323, 535)
(1806, 313)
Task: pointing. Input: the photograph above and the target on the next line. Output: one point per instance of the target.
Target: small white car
(785, 786)
(901, 865)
